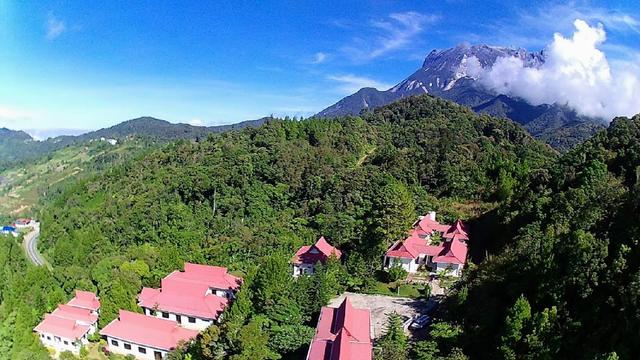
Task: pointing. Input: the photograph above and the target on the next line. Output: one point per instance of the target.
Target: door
(179, 319)
(157, 355)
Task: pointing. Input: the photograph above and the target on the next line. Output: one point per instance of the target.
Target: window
(142, 350)
(41, 335)
(114, 342)
(66, 342)
(192, 320)
(57, 338)
(48, 337)
(165, 315)
(417, 260)
(127, 346)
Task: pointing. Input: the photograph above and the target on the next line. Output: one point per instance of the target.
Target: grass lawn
(406, 290)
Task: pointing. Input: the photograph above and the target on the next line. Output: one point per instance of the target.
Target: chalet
(23, 223)
(308, 256)
(193, 298)
(67, 328)
(420, 248)
(144, 337)
(342, 333)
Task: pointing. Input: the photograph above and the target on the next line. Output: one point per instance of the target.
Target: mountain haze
(449, 74)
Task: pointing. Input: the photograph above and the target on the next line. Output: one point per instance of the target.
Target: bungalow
(67, 328)
(194, 298)
(307, 256)
(86, 300)
(23, 223)
(421, 249)
(342, 333)
(144, 337)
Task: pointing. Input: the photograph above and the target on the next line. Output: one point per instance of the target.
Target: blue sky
(91, 64)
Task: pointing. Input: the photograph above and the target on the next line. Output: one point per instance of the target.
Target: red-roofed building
(194, 298)
(418, 249)
(307, 257)
(23, 223)
(144, 337)
(343, 333)
(85, 300)
(67, 328)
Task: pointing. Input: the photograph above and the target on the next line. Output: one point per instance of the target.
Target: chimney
(432, 215)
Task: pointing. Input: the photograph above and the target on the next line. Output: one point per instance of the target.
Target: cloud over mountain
(575, 73)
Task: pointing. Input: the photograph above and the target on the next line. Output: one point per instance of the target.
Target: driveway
(381, 307)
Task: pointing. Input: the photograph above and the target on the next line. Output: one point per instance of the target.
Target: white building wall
(121, 349)
(57, 343)
(299, 269)
(455, 269)
(199, 324)
(409, 265)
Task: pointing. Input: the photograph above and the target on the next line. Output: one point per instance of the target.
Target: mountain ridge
(449, 74)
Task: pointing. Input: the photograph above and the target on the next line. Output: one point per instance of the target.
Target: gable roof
(342, 333)
(412, 247)
(454, 252)
(147, 330)
(189, 292)
(458, 228)
(85, 300)
(62, 327)
(83, 316)
(318, 252)
(428, 226)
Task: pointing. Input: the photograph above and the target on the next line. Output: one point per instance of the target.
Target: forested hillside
(567, 285)
(248, 199)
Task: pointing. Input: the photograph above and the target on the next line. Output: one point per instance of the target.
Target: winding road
(30, 244)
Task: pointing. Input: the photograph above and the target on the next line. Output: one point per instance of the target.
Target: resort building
(194, 298)
(144, 337)
(342, 333)
(307, 257)
(67, 328)
(432, 246)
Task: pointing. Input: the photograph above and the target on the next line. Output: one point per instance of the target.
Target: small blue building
(8, 229)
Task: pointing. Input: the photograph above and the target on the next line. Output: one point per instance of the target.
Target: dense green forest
(561, 280)
(567, 285)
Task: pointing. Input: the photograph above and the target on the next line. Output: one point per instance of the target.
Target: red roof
(147, 330)
(190, 292)
(84, 316)
(85, 300)
(319, 252)
(454, 252)
(459, 228)
(428, 226)
(64, 328)
(412, 247)
(342, 333)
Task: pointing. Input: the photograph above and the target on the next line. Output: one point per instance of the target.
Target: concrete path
(30, 245)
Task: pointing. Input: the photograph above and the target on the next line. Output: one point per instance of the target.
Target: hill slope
(446, 74)
(16, 146)
(248, 199)
(566, 286)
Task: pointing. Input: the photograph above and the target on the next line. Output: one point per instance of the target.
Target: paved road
(30, 244)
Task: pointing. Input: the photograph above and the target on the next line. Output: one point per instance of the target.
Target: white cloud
(397, 32)
(319, 58)
(350, 83)
(196, 122)
(54, 27)
(576, 73)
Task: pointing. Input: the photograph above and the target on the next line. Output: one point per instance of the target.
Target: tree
(397, 272)
(254, 342)
(393, 344)
(425, 350)
(515, 322)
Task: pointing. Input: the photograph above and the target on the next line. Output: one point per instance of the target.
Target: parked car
(420, 322)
